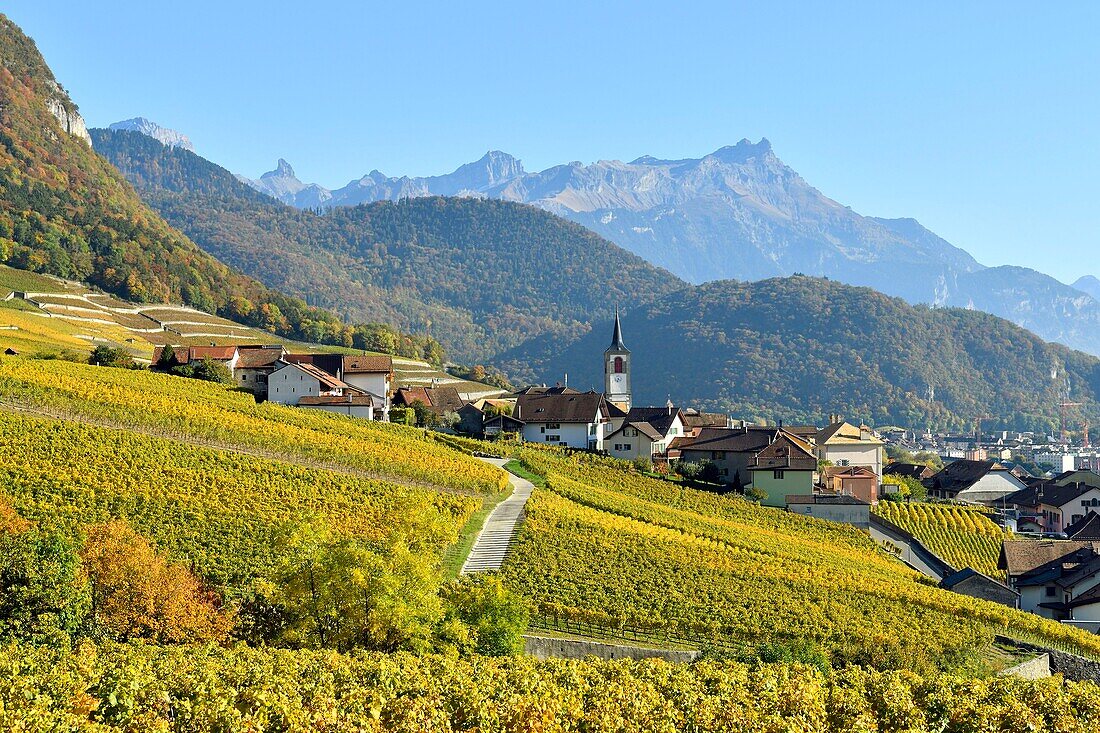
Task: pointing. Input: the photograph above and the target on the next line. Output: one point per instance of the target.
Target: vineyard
(210, 414)
(607, 548)
(220, 512)
(963, 536)
(145, 688)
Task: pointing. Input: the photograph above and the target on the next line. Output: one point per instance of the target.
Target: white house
(1053, 576)
(975, 482)
(565, 418)
(373, 375)
(366, 406)
(291, 382)
(645, 432)
(844, 444)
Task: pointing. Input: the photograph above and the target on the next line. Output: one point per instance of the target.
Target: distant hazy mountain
(1089, 284)
(742, 213)
(282, 184)
(171, 138)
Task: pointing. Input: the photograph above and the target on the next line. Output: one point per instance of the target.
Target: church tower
(616, 369)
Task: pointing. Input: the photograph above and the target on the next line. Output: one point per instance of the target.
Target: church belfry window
(618, 365)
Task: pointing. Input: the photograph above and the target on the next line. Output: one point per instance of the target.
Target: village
(1050, 558)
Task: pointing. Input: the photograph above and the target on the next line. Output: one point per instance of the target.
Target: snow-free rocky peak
(164, 135)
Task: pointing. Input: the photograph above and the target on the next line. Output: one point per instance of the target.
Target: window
(553, 426)
(777, 475)
(842, 462)
(1051, 590)
(618, 446)
(627, 446)
(553, 438)
(717, 455)
(617, 365)
(592, 429)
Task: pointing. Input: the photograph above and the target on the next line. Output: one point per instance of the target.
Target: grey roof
(1049, 493)
(959, 475)
(965, 574)
(736, 440)
(642, 427)
(661, 418)
(1087, 528)
(617, 336)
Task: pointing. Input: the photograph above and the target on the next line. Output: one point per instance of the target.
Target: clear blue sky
(982, 120)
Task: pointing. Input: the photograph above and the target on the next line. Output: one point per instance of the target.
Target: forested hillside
(66, 211)
(799, 348)
(482, 275)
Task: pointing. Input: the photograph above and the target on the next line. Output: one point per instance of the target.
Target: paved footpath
(500, 526)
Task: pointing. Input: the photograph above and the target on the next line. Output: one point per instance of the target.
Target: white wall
(289, 384)
(361, 411)
(991, 488)
(855, 455)
(640, 446)
(378, 384)
(574, 435)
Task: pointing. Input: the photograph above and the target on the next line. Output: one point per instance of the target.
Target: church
(616, 369)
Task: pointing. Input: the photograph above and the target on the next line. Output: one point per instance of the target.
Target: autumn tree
(344, 593)
(137, 594)
(495, 616)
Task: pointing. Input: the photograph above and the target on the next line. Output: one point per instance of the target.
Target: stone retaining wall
(1070, 666)
(1032, 669)
(545, 647)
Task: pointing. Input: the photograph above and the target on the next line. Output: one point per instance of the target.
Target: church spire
(617, 336)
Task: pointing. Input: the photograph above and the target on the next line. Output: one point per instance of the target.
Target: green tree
(425, 418)
(754, 494)
(106, 356)
(497, 617)
(207, 370)
(43, 592)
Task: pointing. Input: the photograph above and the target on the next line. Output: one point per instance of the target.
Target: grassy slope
(962, 536)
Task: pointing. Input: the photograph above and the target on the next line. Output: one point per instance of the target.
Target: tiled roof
(1088, 528)
(259, 357)
(568, 408)
(368, 364)
(735, 440)
(322, 376)
(438, 399)
(217, 353)
(1023, 556)
(844, 433)
(848, 472)
(660, 418)
(959, 475)
(331, 363)
(693, 419)
(642, 427)
(911, 470)
(785, 452)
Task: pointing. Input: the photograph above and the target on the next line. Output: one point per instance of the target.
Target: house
(644, 432)
(371, 374)
(969, 582)
(473, 415)
(502, 425)
(11, 352)
(833, 507)
(858, 481)
(974, 482)
(844, 444)
(1051, 575)
(917, 471)
(564, 418)
(782, 469)
(288, 384)
(255, 366)
(730, 450)
(440, 400)
(1054, 507)
(187, 355)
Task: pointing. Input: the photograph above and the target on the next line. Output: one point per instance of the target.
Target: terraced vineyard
(616, 551)
(963, 536)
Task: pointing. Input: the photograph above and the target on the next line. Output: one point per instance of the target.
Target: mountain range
(171, 138)
(740, 212)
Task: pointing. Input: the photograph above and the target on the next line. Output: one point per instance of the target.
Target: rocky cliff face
(165, 136)
(65, 111)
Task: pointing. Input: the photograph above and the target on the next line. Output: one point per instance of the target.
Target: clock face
(618, 379)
